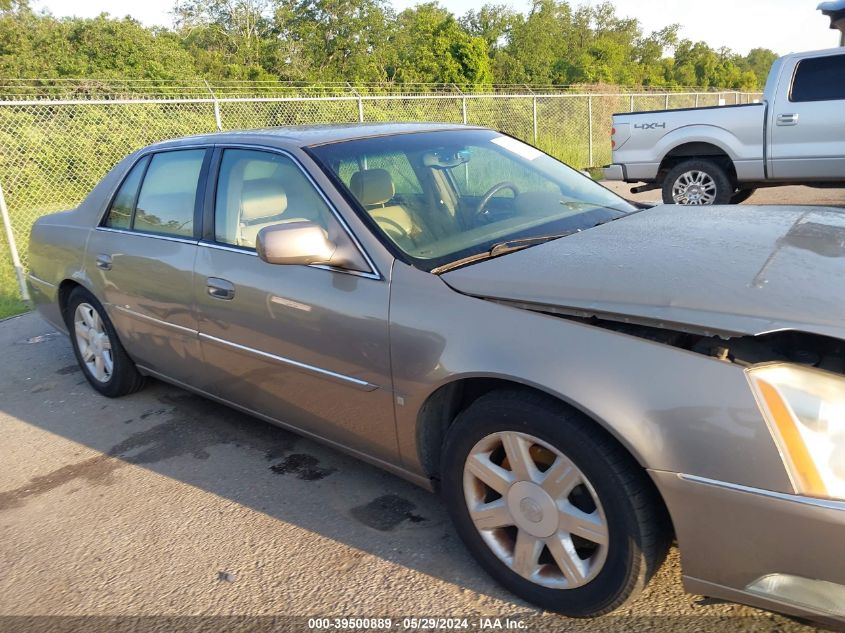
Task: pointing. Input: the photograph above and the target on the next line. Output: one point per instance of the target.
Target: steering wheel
(487, 197)
(401, 233)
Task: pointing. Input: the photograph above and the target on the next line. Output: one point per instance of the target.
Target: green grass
(10, 298)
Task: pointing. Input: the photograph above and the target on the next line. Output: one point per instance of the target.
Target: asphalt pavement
(165, 504)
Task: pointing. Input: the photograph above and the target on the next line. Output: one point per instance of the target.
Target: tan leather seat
(374, 189)
(263, 203)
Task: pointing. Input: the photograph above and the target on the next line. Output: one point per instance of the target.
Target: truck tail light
(619, 135)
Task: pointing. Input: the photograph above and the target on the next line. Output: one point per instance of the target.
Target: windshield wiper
(502, 248)
(517, 245)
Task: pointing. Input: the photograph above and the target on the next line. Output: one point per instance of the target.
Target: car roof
(309, 135)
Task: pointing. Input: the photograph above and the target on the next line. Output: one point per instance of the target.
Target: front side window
(169, 192)
(256, 189)
(473, 190)
(819, 79)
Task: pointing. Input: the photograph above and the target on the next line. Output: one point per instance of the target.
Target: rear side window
(120, 214)
(819, 79)
(169, 193)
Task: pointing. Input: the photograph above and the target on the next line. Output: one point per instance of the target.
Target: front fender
(675, 411)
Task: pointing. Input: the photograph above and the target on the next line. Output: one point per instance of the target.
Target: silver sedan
(581, 379)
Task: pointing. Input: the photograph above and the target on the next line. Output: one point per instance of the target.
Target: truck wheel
(742, 195)
(553, 509)
(697, 182)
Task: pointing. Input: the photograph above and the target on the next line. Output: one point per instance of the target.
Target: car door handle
(787, 119)
(104, 262)
(221, 289)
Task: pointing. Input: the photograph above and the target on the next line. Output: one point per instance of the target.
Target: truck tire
(742, 195)
(697, 182)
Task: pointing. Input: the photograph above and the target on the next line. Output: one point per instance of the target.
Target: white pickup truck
(720, 155)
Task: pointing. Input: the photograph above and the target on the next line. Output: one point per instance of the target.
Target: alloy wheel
(535, 510)
(93, 341)
(694, 188)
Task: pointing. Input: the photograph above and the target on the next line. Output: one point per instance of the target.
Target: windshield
(442, 197)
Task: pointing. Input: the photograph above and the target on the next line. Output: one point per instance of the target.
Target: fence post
(632, 103)
(590, 126)
(463, 103)
(217, 118)
(696, 99)
(360, 102)
(534, 118)
(13, 247)
(667, 101)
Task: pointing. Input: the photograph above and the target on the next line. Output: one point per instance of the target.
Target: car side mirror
(293, 243)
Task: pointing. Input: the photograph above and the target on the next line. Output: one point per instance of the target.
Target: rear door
(305, 345)
(141, 260)
(808, 120)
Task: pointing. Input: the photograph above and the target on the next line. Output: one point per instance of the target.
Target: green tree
(759, 61)
(431, 46)
(333, 40)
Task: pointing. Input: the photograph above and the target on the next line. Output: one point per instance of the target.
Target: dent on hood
(793, 346)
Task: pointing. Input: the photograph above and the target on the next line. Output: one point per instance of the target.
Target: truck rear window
(819, 79)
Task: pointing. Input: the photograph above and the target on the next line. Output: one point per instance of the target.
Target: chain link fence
(53, 150)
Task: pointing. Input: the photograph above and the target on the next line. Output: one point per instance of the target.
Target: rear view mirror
(446, 158)
(295, 243)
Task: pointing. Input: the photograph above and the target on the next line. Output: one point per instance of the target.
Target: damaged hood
(728, 271)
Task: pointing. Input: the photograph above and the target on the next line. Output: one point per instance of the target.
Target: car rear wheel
(98, 351)
(550, 506)
(697, 182)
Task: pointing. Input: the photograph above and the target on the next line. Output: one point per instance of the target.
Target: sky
(782, 25)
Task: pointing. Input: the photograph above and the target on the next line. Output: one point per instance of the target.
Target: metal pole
(463, 103)
(632, 103)
(534, 118)
(590, 115)
(13, 247)
(217, 118)
(696, 99)
(360, 103)
(667, 101)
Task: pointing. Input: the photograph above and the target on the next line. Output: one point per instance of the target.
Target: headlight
(805, 410)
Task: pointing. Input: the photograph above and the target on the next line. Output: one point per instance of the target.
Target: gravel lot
(164, 504)
(774, 195)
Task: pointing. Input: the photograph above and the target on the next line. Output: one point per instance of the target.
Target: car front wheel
(98, 351)
(551, 506)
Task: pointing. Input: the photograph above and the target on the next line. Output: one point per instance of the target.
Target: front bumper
(614, 172)
(771, 550)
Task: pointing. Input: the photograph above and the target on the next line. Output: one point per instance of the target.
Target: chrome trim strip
(40, 281)
(363, 385)
(827, 504)
(375, 274)
(149, 319)
(166, 238)
(334, 269)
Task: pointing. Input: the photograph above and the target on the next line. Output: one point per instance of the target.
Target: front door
(305, 345)
(808, 127)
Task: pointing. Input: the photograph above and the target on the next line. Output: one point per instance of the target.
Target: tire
(700, 182)
(123, 378)
(742, 195)
(619, 501)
